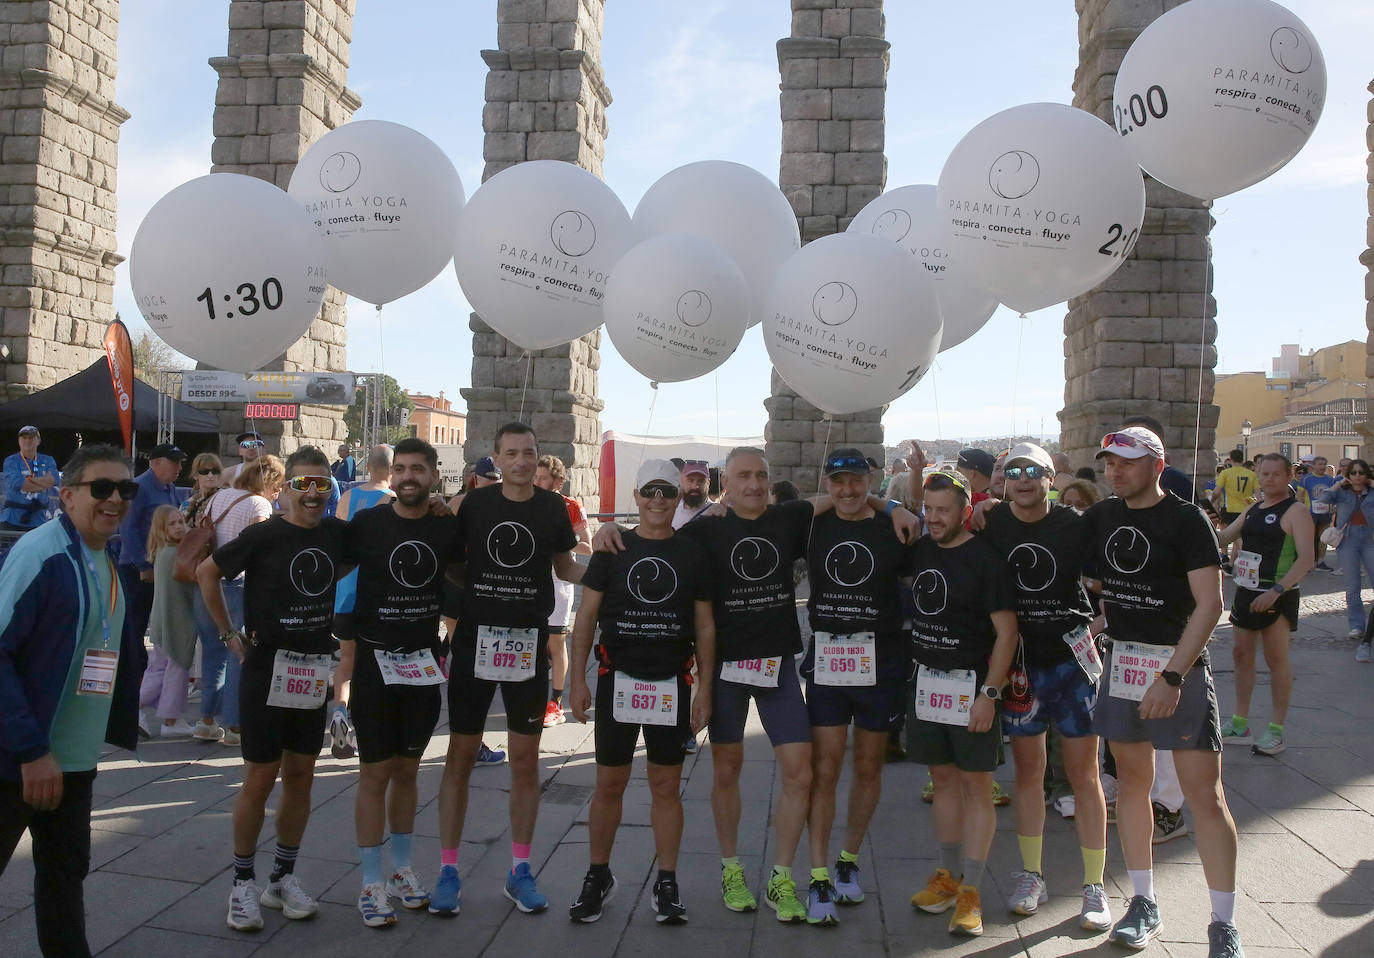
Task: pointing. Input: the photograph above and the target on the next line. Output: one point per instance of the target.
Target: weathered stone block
(509, 147)
(867, 23)
(831, 200)
(835, 23)
(799, 74)
(806, 23)
(858, 104)
(833, 136)
(860, 168)
(807, 168)
(556, 145)
(800, 136)
(806, 104)
(790, 430)
(834, 72)
(866, 135)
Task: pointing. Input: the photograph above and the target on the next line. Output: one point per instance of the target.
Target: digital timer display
(272, 410)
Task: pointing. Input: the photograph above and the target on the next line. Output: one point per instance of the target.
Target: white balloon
(676, 307)
(228, 270)
(850, 324)
(535, 249)
(908, 217)
(733, 205)
(385, 200)
(1043, 202)
(1216, 95)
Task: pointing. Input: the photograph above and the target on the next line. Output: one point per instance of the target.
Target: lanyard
(114, 593)
(33, 470)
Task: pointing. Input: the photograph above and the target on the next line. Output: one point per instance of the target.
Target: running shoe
(1270, 743)
(1232, 735)
(667, 902)
(521, 889)
(1065, 805)
(1322, 567)
(1168, 825)
(1029, 895)
(820, 903)
(848, 891)
(288, 897)
(448, 892)
(1362, 653)
(207, 733)
(376, 910)
(405, 885)
(178, 729)
(690, 746)
(1139, 926)
(1223, 941)
(999, 797)
(487, 757)
(1355, 634)
(230, 738)
(928, 792)
(968, 913)
(244, 913)
(939, 894)
(553, 715)
(594, 896)
(1096, 914)
(144, 729)
(734, 891)
(343, 740)
(782, 898)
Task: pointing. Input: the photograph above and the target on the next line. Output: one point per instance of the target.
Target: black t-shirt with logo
(1143, 557)
(648, 615)
(401, 566)
(1047, 559)
(955, 591)
(510, 550)
(853, 568)
(288, 591)
(754, 594)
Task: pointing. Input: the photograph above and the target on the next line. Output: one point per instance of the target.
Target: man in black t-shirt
(963, 633)
(513, 535)
(402, 548)
(290, 563)
(1161, 597)
(1055, 681)
(653, 605)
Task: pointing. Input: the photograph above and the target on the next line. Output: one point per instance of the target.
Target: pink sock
(448, 856)
(519, 854)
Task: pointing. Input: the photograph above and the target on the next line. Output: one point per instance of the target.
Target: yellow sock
(1030, 851)
(1094, 862)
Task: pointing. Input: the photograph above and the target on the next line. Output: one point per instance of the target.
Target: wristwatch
(227, 637)
(1173, 679)
(1277, 587)
(992, 692)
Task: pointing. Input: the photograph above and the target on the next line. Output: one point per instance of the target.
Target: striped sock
(284, 861)
(244, 868)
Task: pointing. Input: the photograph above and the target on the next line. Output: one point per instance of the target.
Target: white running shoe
(376, 910)
(178, 729)
(1029, 895)
(207, 733)
(244, 914)
(288, 897)
(1096, 914)
(406, 886)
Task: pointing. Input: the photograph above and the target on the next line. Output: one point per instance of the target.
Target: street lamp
(1245, 428)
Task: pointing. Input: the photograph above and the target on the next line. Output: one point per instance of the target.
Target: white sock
(1143, 883)
(1223, 906)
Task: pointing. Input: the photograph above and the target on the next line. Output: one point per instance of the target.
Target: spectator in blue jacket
(30, 485)
(155, 488)
(69, 676)
(346, 469)
(1352, 497)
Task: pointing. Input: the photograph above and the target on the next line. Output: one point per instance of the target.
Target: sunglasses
(104, 488)
(207, 472)
(1122, 439)
(658, 489)
(1030, 472)
(252, 444)
(308, 483)
(946, 480)
(1358, 472)
(857, 464)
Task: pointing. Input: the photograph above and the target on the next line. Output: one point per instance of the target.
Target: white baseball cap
(1030, 452)
(657, 470)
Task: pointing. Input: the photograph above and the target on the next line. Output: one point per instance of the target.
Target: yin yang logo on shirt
(510, 545)
(1034, 565)
(413, 564)
(1127, 550)
(753, 558)
(651, 580)
(931, 592)
(849, 564)
(312, 572)
(1272, 518)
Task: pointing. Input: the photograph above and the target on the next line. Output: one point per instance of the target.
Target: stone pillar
(1366, 429)
(834, 88)
(1137, 343)
(282, 87)
(59, 136)
(546, 100)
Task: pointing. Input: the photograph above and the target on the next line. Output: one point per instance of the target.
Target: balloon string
(644, 440)
(524, 386)
(1202, 351)
(715, 376)
(935, 390)
(1016, 379)
(825, 451)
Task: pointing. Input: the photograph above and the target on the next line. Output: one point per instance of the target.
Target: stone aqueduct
(1133, 343)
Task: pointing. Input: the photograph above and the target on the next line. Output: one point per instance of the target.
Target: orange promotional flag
(119, 352)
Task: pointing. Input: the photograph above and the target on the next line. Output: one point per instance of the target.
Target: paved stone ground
(1306, 878)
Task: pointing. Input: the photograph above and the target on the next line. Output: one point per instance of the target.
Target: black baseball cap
(486, 468)
(166, 450)
(250, 434)
(979, 460)
(847, 459)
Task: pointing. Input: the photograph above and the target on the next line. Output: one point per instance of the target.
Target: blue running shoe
(820, 903)
(447, 894)
(1140, 925)
(487, 757)
(520, 888)
(848, 891)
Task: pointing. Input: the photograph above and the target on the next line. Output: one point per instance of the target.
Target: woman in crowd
(1355, 518)
(171, 629)
(1080, 494)
(206, 470)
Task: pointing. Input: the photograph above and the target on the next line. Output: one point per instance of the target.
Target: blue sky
(699, 81)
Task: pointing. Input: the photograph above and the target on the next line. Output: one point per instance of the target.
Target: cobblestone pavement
(161, 853)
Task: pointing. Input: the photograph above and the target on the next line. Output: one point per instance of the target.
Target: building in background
(434, 420)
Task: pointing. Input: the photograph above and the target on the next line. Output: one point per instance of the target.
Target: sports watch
(992, 692)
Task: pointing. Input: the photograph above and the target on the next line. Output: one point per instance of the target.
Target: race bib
(845, 659)
(761, 673)
(1084, 648)
(97, 672)
(298, 681)
(644, 701)
(1246, 569)
(505, 654)
(945, 697)
(1135, 666)
(408, 668)
(1321, 508)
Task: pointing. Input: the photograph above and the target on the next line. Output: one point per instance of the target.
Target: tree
(394, 398)
(152, 356)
